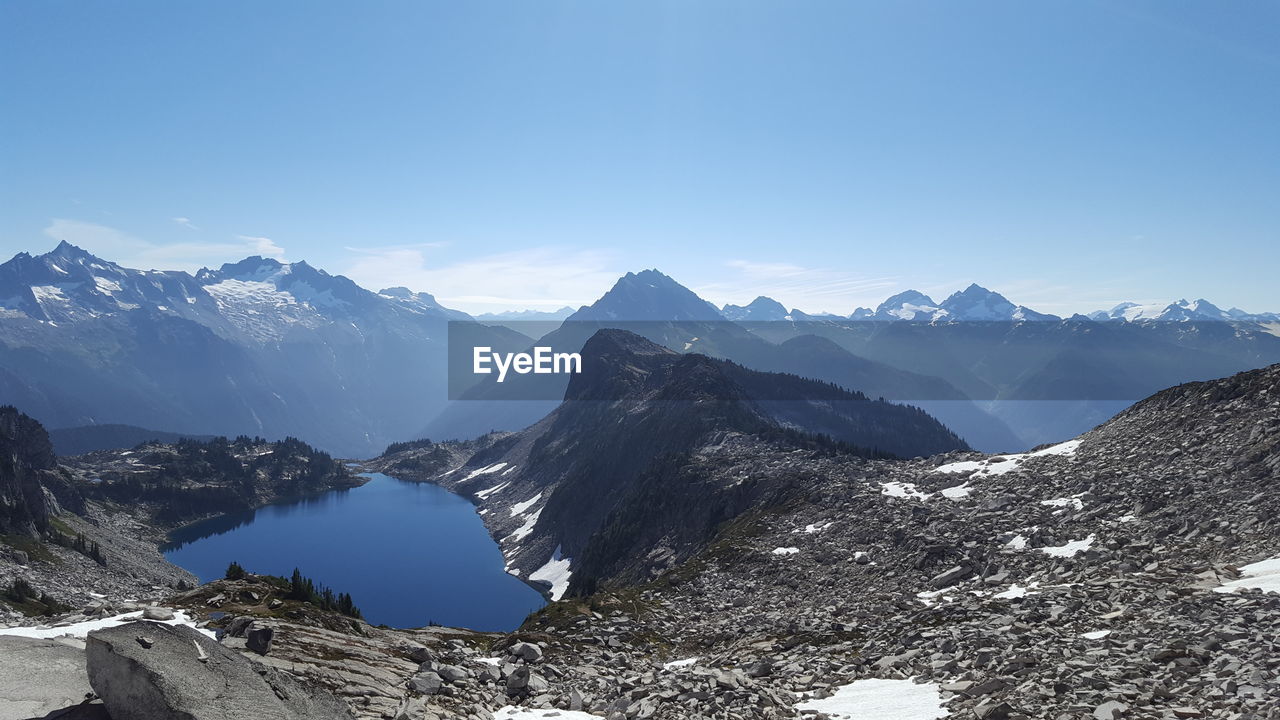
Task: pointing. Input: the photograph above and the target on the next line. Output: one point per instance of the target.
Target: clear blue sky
(1070, 154)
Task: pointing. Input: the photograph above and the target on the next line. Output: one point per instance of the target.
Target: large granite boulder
(148, 671)
(39, 677)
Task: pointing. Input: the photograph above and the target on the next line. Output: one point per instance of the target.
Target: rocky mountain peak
(648, 295)
(761, 309)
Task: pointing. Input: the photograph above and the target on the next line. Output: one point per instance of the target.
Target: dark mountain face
(27, 466)
(259, 347)
(630, 419)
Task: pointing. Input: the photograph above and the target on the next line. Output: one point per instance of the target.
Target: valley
(772, 571)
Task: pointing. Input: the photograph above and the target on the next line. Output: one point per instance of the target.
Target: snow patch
(556, 572)
(511, 712)
(902, 490)
(523, 531)
(786, 551)
(1016, 591)
(958, 492)
(483, 494)
(1071, 548)
(1074, 501)
(876, 699)
(82, 629)
(1095, 634)
(519, 508)
(485, 470)
(680, 663)
(1001, 464)
(1264, 575)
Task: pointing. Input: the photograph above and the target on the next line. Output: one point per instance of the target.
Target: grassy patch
(34, 549)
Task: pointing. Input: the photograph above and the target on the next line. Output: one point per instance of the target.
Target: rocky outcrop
(38, 676)
(26, 459)
(149, 671)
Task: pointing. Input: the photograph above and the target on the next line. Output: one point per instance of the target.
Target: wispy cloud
(796, 286)
(128, 250)
(185, 222)
(538, 278)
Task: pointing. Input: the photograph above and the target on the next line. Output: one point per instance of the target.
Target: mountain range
(276, 349)
(255, 347)
(978, 304)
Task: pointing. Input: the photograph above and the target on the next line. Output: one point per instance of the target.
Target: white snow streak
(875, 699)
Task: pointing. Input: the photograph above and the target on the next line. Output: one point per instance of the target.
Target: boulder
(38, 677)
(157, 613)
(259, 640)
(528, 652)
(184, 674)
(427, 683)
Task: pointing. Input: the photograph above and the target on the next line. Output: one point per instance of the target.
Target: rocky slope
(590, 475)
(1107, 577)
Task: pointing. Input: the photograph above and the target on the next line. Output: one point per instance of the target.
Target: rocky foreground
(1119, 575)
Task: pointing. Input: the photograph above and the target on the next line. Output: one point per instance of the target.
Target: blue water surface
(409, 554)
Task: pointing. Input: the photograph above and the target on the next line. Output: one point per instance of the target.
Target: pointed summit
(978, 304)
(648, 296)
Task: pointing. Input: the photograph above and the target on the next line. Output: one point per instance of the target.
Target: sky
(1069, 154)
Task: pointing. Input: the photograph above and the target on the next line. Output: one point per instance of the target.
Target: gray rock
(39, 676)
(239, 626)
(259, 640)
(528, 652)
(170, 680)
(427, 683)
(157, 613)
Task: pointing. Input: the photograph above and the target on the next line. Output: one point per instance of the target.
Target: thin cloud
(185, 222)
(538, 278)
(809, 289)
(128, 250)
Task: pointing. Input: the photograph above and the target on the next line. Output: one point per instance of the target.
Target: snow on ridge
(1264, 575)
(877, 699)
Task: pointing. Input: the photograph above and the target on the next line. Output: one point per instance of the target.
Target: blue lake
(408, 553)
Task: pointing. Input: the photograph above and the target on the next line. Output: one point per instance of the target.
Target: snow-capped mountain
(258, 346)
(908, 305)
(973, 304)
(761, 309)
(1181, 311)
(523, 315)
(978, 304)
